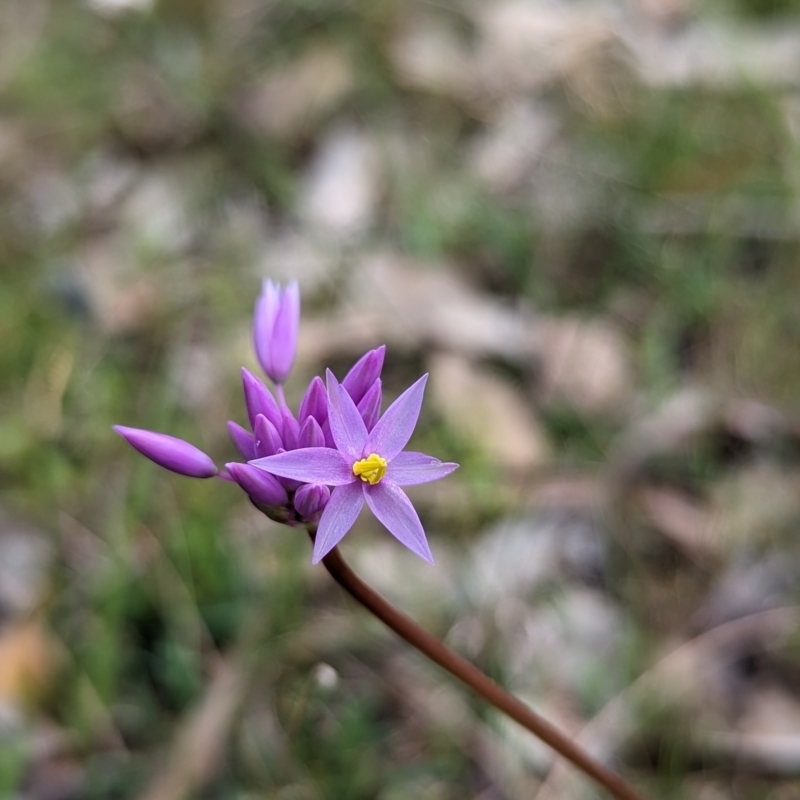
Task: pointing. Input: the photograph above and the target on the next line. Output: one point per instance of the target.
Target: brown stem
(430, 646)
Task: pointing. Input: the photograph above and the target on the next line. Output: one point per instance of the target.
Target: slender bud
(277, 318)
(314, 402)
(364, 373)
(243, 440)
(267, 440)
(311, 434)
(259, 400)
(370, 405)
(310, 501)
(261, 487)
(169, 452)
(291, 430)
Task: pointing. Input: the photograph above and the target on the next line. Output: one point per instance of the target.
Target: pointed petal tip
(394, 429)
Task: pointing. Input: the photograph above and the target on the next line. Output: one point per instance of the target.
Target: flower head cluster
(317, 468)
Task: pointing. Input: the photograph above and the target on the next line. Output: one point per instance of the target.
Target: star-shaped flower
(365, 466)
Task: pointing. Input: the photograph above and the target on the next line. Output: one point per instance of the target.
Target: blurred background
(580, 217)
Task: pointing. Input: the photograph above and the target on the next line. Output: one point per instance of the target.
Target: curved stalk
(466, 672)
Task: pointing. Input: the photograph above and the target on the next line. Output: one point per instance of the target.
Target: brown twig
(462, 669)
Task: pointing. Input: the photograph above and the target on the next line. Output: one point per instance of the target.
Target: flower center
(370, 469)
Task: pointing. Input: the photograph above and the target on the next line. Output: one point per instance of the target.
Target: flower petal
(409, 468)
(370, 405)
(259, 400)
(364, 373)
(337, 518)
(347, 427)
(264, 321)
(243, 440)
(392, 507)
(283, 344)
(169, 452)
(266, 439)
(309, 465)
(314, 402)
(291, 430)
(311, 434)
(393, 430)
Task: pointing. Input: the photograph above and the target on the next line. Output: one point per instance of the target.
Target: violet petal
(364, 373)
(337, 518)
(393, 430)
(291, 430)
(370, 405)
(310, 465)
(264, 322)
(259, 400)
(391, 506)
(314, 402)
(267, 440)
(409, 468)
(169, 452)
(243, 440)
(347, 427)
(283, 344)
(311, 434)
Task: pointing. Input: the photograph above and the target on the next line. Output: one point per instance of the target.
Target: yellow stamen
(370, 469)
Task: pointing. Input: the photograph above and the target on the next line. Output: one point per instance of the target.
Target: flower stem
(462, 669)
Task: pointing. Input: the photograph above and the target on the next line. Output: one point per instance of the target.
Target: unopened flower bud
(310, 500)
(311, 434)
(314, 402)
(290, 429)
(277, 317)
(169, 452)
(364, 373)
(243, 440)
(267, 440)
(259, 400)
(370, 405)
(260, 486)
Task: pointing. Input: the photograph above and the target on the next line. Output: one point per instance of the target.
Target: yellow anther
(370, 469)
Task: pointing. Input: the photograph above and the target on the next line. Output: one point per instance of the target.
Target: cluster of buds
(318, 468)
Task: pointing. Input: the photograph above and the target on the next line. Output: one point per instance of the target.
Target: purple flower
(169, 452)
(336, 440)
(365, 466)
(277, 317)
